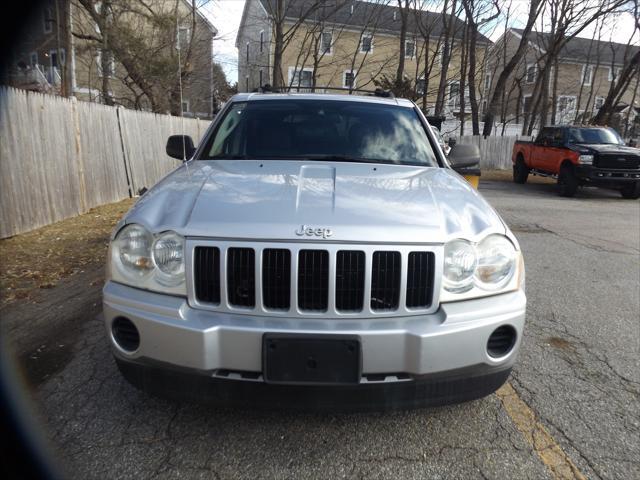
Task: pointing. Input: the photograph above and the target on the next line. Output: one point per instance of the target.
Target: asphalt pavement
(570, 410)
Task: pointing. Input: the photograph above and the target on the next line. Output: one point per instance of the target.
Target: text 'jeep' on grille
(316, 251)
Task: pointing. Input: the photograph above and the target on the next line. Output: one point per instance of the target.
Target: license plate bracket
(311, 359)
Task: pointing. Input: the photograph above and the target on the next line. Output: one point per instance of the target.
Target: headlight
(132, 251)
(496, 262)
(460, 263)
(168, 256)
(585, 159)
(154, 263)
(474, 270)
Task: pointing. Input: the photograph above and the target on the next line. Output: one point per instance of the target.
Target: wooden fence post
(82, 186)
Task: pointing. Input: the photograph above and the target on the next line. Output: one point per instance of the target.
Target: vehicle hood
(357, 202)
(606, 148)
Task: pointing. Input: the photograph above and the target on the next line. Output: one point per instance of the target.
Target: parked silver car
(316, 251)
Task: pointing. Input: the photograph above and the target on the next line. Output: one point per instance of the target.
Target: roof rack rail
(378, 92)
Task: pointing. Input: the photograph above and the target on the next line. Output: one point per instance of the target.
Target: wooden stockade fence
(495, 152)
(60, 157)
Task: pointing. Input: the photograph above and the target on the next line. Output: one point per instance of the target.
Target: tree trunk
(404, 11)
(473, 102)
(446, 55)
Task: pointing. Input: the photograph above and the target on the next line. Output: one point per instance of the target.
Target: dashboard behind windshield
(321, 129)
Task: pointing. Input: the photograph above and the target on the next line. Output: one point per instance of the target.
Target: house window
(526, 104)
(111, 65)
(299, 77)
(454, 95)
(366, 43)
(261, 41)
(349, 78)
(420, 86)
(47, 20)
(247, 54)
(587, 74)
(33, 59)
(184, 35)
(326, 43)
(566, 108)
(597, 105)
(614, 74)
(532, 71)
(409, 48)
(185, 105)
(487, 82)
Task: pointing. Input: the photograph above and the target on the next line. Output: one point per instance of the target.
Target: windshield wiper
(339, 158)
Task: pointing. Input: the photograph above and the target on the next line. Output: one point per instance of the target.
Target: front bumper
(450, 343)
(605, 176)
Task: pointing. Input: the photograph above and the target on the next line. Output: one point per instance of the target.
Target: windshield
(321, 130)
(593, 136)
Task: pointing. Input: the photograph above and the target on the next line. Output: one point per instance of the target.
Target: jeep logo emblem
(307, 231)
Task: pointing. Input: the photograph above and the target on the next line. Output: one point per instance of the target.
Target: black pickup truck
(578, 155)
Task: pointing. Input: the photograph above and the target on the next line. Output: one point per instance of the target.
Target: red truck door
(549, 152)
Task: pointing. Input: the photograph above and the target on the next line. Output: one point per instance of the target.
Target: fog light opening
(501, 341)
(125, 334)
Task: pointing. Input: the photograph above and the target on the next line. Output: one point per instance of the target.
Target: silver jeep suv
(315, 251)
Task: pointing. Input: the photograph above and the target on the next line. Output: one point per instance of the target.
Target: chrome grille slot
(276, 278)
(420, 279)
(206, 265)
(241, 277)
(385, 280)
(313, 280)
(349, 280)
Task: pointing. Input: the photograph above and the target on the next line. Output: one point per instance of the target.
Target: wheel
(631, 191)
(567, 181)
(520, 171)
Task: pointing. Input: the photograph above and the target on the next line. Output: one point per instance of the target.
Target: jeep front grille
(303, 279)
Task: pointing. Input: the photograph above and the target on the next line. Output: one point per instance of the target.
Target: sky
(226, 14)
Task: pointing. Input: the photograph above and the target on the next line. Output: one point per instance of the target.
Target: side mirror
(464, 156)
(451, 142)
(180, 147)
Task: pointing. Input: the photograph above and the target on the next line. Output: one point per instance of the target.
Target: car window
(594, 136)
(321, 129)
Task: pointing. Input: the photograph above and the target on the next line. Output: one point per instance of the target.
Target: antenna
(184, 146)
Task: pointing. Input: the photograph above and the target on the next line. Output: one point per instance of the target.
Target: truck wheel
(567, 182)
(520, 171)
(631, 191)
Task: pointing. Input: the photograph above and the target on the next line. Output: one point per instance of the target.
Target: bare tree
(449, 24)
(478, 13)
(501, 83)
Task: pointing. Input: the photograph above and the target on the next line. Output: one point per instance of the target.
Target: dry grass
(41, 258)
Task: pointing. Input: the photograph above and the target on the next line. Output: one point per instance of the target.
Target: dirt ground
(41, 258)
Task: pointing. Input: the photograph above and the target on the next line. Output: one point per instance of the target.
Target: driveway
(570, 410)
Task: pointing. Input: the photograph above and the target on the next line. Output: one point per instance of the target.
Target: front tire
(567, 181)
(631, 191)
(520, 171)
